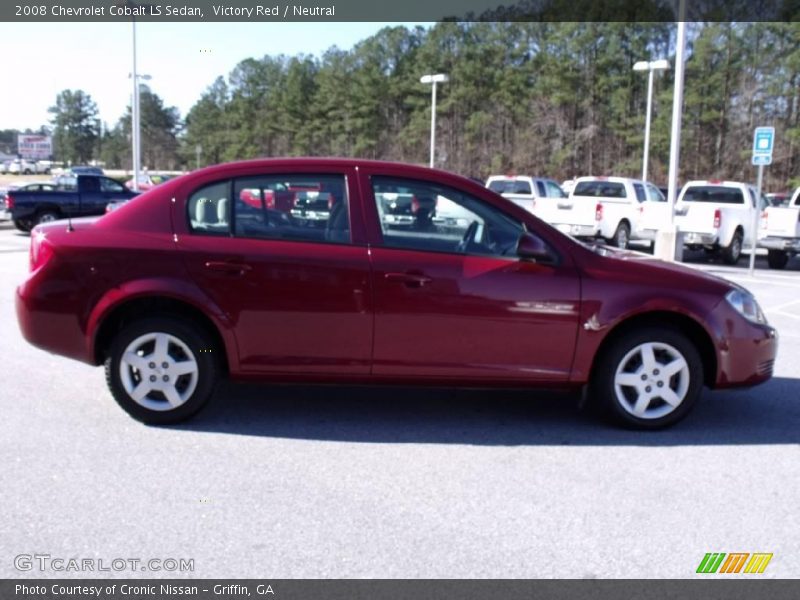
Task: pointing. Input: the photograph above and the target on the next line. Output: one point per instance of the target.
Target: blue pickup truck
(84, 196)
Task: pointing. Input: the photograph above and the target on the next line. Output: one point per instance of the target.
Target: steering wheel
(469, 237)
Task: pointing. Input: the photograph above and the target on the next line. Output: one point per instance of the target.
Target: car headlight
(746, 305)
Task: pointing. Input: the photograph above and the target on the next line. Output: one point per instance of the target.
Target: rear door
(455, 302)
(296, 289)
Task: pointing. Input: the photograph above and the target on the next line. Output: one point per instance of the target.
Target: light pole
(650, 66)
(434, 79)
(135, 128)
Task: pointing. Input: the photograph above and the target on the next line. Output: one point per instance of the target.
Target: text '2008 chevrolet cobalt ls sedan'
(355, 271)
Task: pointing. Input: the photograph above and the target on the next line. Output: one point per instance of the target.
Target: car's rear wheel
(649, 378)
(733, 251)
(24, 226)
(622, 236)
(161, 370)
(777, 259)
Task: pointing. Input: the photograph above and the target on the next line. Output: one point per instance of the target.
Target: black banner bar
(736, 588)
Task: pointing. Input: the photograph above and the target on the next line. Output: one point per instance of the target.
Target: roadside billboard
(35, 147)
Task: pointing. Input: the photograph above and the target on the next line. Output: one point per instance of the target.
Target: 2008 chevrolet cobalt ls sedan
(355, 271)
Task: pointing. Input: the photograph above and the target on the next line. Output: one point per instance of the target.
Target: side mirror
(530, 247)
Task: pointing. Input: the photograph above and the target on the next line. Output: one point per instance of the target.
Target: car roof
(612, 179)
(716, 182)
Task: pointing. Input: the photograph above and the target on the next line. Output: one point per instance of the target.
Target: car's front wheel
(162, 370)
(649, 378)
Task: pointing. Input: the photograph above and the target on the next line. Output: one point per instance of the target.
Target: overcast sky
(38, 60)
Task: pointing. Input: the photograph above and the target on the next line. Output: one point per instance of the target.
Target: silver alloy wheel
(158, 371)
(651, 380)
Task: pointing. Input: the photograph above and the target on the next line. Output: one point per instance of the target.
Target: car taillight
(717, 218)
(598, 212)
(764, 217)
(414, 204)
(9, 201)
(330, 203)
(41, 251)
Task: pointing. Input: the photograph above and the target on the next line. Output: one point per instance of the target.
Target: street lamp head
(438, 78)
(660, 65)
(642, 65)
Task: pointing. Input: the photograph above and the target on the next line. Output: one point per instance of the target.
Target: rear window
(716, 194)
(602, 189)
(510, 186)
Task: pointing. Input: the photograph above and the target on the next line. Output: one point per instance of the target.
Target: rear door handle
(231, 268)
(409, 279)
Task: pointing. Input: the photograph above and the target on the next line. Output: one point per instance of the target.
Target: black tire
(733, 251)
(202, 351)
(777, 259)
(670, 345)
(47, 216)
(23, 226)
(622, 235)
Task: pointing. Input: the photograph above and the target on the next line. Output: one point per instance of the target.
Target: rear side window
(299, 207)
(209, 209)
(511, 186)
(716, 194)
(637, 187)
(540, 189)
(601, 189)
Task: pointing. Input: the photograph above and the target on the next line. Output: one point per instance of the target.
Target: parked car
(148, 181)
(718, 216)
(23, 166)
(189, 284)
(524, 191)
(88, 197)
(778, 198)
(780, 231)
(607, 208)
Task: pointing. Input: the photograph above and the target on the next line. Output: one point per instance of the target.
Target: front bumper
(745, 351)
(780, 243)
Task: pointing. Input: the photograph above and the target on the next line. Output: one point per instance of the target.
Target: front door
(452, 300)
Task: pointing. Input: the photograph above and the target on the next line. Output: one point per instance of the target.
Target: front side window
(637, 187)
(554, 190)
(109, 185)
(292, 207)
(425, 216)
(654, 194)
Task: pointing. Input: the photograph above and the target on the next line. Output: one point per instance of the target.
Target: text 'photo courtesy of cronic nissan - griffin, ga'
(355, 271)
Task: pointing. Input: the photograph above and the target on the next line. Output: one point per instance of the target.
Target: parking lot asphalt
(366, 482)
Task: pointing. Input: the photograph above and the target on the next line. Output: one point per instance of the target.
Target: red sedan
(190, 282)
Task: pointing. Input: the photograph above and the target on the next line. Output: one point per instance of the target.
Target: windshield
(717, 194)
(510, 186)
(602, 189)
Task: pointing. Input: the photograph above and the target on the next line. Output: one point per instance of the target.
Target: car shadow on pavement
(768, 414)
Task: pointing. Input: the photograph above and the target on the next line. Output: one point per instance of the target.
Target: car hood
(637, 267)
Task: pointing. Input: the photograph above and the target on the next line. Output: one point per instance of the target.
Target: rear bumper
(695, 237)
(780, 243)
(50, 322)
(588, 231)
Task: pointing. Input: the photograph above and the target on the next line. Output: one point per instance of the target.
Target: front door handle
(230, 268)
(411, 280)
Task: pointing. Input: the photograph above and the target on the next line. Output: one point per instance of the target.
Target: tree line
(557, 99)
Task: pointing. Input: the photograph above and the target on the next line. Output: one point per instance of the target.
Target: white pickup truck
(527, 192)
(607, 207)
(780, 232)
(718, 216)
